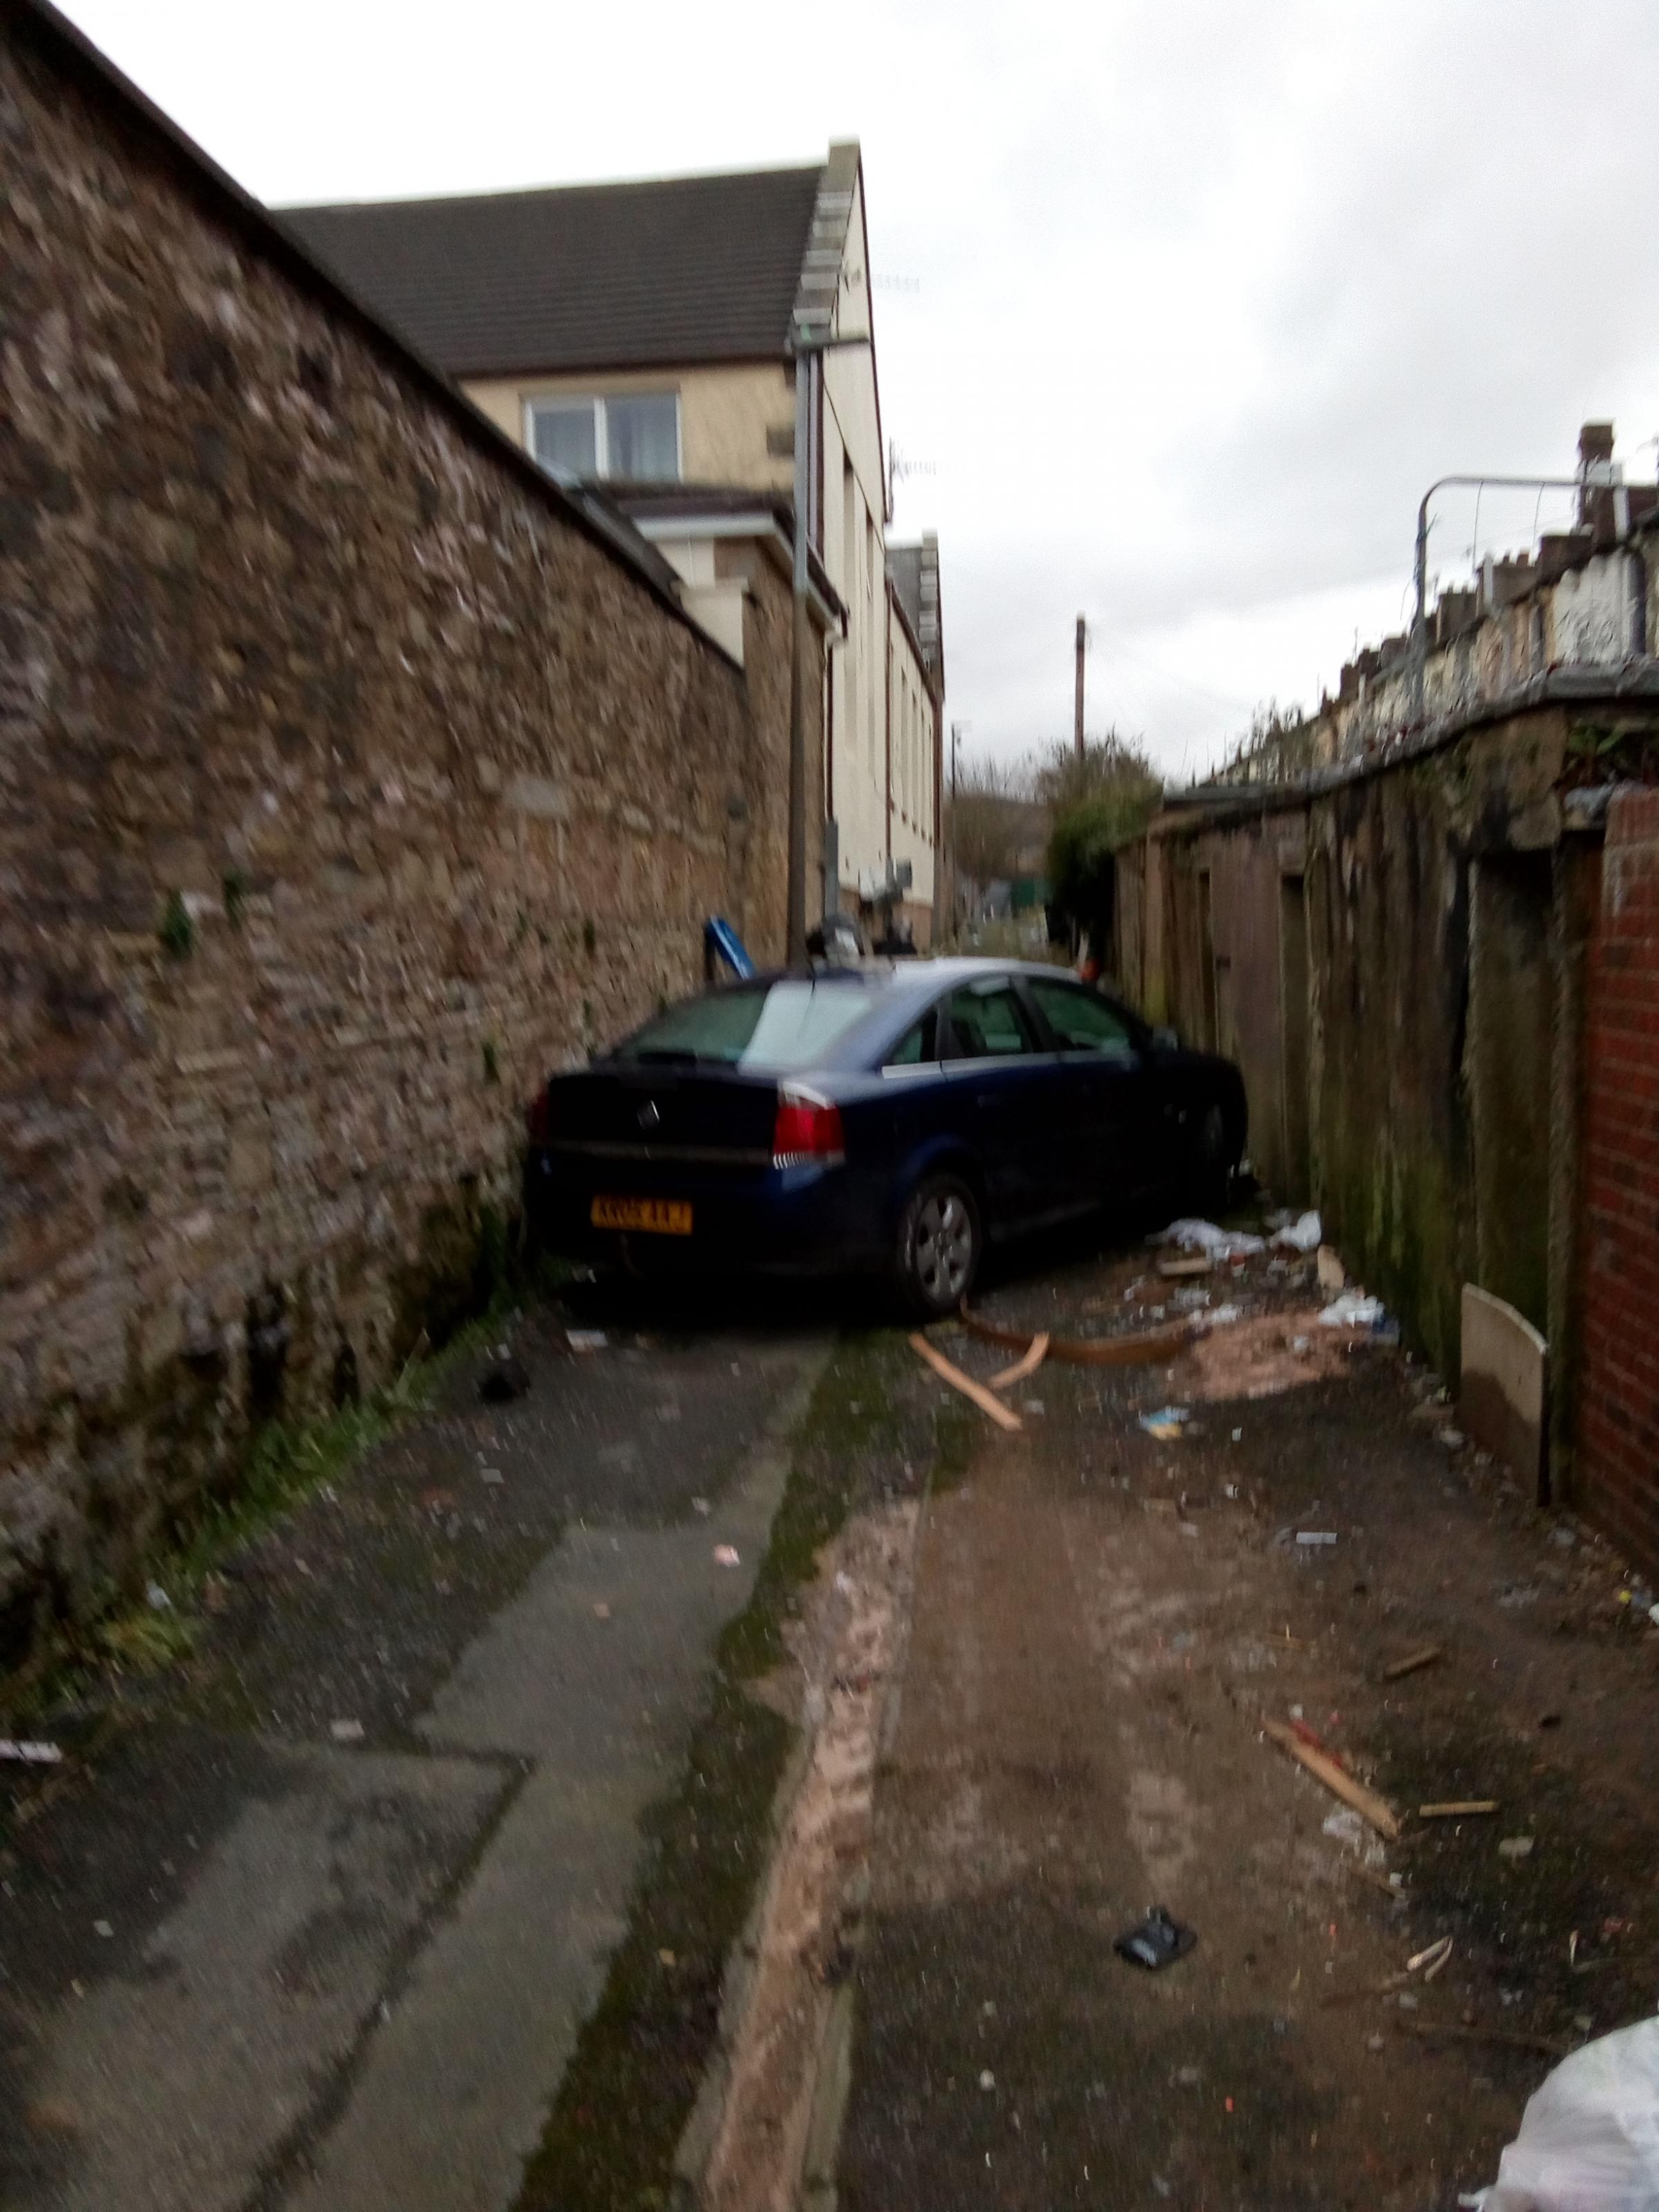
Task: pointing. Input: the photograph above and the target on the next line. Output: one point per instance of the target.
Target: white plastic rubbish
(1353, 1309)
(1193, 1235)
(1303, 1234)
(1590, 2136)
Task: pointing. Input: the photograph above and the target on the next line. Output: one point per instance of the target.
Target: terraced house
(642, 335)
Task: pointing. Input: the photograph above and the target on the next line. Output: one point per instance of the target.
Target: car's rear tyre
(941, 1244)
(1211, 1173)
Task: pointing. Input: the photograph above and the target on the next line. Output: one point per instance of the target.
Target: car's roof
(912, 972)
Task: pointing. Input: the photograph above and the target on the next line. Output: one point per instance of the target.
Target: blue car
(888, 1118)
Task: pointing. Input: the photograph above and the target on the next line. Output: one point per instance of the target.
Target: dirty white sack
(1589, 2136)
(1195, 1236)
(1353, 1309)
(1303, 1234)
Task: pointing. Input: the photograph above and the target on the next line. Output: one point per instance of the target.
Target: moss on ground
(629, 2087)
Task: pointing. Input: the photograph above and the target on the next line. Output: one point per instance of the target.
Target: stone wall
(348, 782)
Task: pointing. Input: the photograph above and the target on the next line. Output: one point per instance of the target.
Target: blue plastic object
(720, 941)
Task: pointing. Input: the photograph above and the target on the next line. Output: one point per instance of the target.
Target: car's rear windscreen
(784, 1026)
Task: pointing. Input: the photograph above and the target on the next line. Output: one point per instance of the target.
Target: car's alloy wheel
(939, 1246)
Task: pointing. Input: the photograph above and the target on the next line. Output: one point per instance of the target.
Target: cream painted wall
(724, 414)
(912, 711)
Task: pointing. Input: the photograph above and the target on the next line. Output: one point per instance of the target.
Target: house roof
(683, 268)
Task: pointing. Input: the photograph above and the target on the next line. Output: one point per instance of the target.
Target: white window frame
(569, 402)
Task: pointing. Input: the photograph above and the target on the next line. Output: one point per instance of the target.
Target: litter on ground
(1157, 1943)
(726, 1555)
(29, 1752)
(1196, 1236)
(1457, 1809)
(1007, 1377)
(586, 1339)
(1412, 1663)
(1365, 1802)
(975, 1392)
(1302, 1234)
(1353, 1309)
(1167, 1423)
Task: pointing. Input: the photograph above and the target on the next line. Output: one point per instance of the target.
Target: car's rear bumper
(810, 1220)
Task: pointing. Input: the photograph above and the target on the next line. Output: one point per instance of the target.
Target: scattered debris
(1453, 1439)
(1413, 1663)
(1178, 1270)
(987, 2080)
(1353, 1309)
(975, 1392)
(1341, 1785)
(1167, 1423)
(1156, 1943)
(1587, 2140)
(1457, 1809)
(726, 1555)
(1302, 1234)
(1390, 1884)
(346, 1731)
(1195, 1235)
(1431, 1959)
(157, 1599)
(1313, 1536)
(601, 1610)
(29, 1752)
(504, 1379)
(1005, 1377)
(1127, 1350)
(103, 1927)
(1333, 1276)
(586, 1339)
(1517, 1847)
(492, 1477)
(1345, 1825)
(1190, 1300)
(700, 1505)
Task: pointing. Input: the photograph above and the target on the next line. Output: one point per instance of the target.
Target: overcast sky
(1182, 304)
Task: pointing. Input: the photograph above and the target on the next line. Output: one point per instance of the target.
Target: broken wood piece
(1005, 1377)
(1434, 1957)
(1377, 1881)
(1413, 1661)
(1089, 1351)
(1447, 2031)
(1457, 1809)
(975, 1392)
(1178, 1270)
(1368, 1806)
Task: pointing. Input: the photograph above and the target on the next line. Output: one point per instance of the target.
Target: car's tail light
(539, 1117)
(807, 1130)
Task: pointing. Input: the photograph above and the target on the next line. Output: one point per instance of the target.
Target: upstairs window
(629, 437)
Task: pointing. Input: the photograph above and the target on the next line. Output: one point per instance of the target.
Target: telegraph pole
(1082, 642)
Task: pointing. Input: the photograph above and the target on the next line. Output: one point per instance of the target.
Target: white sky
(1193, 297)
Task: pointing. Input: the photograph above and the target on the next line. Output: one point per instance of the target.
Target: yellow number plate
(658, 1217)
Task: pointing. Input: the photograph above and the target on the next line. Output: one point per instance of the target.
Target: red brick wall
(1617, 1457)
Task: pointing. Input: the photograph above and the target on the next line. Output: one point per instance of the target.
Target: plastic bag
(1195, 1236)
(1589, 2136)
(1302, 1234)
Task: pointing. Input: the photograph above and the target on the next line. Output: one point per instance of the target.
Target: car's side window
(1081, 1020)
(984, 1022)
(919, 1045)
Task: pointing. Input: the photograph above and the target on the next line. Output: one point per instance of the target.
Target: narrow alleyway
(442, 1872)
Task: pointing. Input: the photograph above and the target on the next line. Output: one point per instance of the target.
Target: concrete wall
(347, 786)
(726, 414)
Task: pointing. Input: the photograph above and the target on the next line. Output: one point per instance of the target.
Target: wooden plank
(1457, 1809)
(1365, 1802)
(1005, 1377)
(976, 1392)
(1155, 1345)
(1412, 1662)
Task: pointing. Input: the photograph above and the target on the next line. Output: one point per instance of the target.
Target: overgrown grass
(287, 1463)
